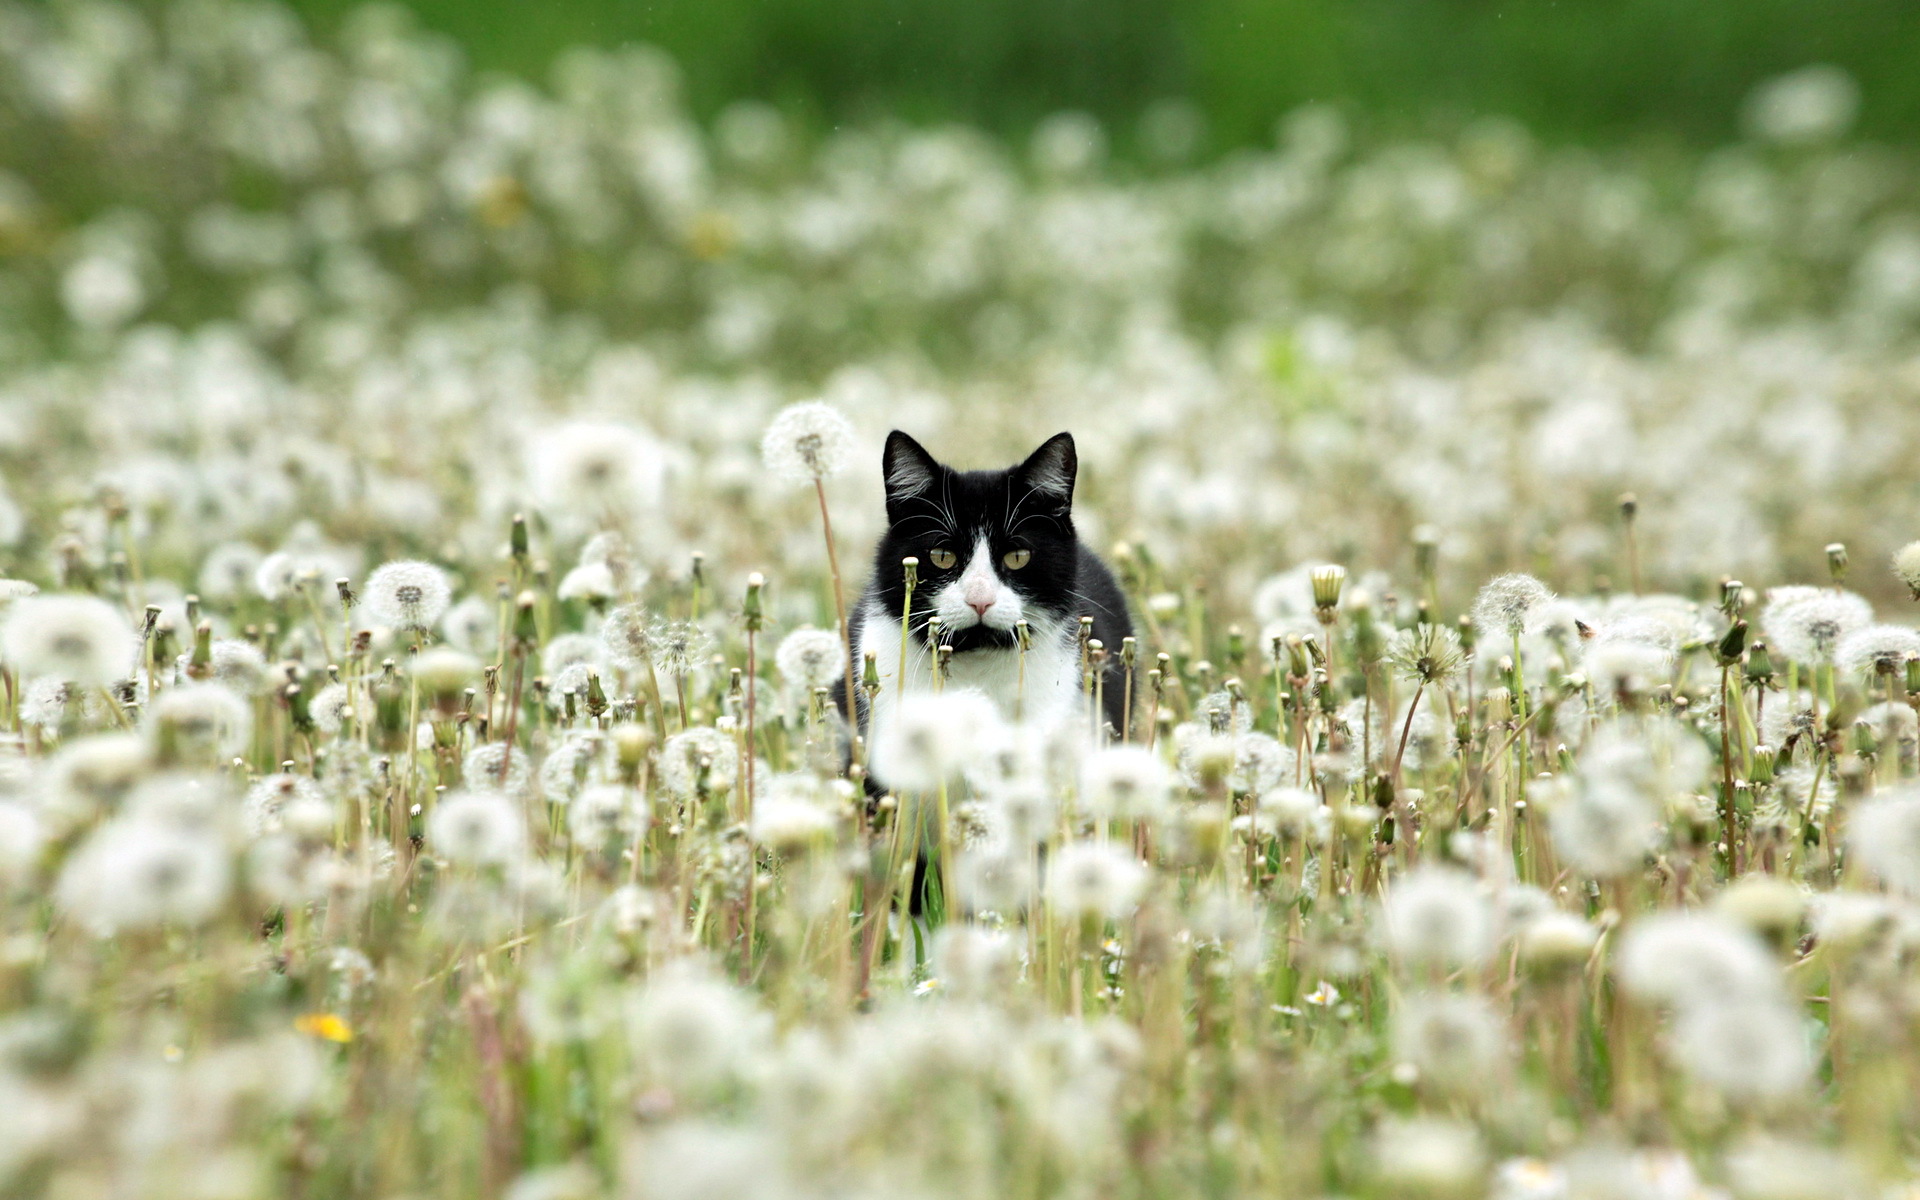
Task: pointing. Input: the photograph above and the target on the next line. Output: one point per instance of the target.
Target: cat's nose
(980, 607)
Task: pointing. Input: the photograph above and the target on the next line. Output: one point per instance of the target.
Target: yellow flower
(324, 1025)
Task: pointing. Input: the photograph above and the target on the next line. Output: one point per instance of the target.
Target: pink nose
(980, 607)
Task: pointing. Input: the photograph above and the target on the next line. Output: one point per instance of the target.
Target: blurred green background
(1573, 70)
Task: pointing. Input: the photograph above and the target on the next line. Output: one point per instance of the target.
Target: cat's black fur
(1029, 506)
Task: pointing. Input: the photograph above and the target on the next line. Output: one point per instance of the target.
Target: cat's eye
(943, 558)
(1015, 559)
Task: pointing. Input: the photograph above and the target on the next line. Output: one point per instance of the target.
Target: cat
(994, 548)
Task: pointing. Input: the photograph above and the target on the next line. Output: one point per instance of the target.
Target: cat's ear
(1050, 471)
(908, 469)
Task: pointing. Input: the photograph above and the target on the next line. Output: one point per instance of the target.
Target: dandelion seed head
(1454, 1041)
(605, 814)
(22, 833)
(477, 828)
(810, 658)
(1883, 834)
(1808, 624)
(679, 646)
(94, 774)
(132, 874)
(1428, 1156)
(1876, 650)
(1626, 668)
(1430, 654)
(1508, 602)
(1125, 783)
(496, 767)
(931, 737)
(697, 758)
(1748, 1050)
(792, 816)
(407, 595)
(76, 639)
(597, 467)
(330, 708)
(204, 722)
(280, 800)
(592, 582)
(1680, 959)
(808, 441)
(1089, 879)
(627, 635)
(693, 1030)
(1436, 917)
(1906, 567)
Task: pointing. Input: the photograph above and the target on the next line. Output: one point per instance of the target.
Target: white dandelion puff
(807, 441)
(1679, 958)
(477, 828)
(1906, 567)
(133, 874)
(1876, 650)
(1507, 603)
(204, 722)
(73, 638)
(1883, 835)
(1807, 624)
(810, 658)
(596, 467)
(1127, 783)
(407, 594)
(1436, 917)
(1088, 879)
(931, 737)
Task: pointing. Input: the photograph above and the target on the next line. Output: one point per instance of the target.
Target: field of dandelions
(417, 776)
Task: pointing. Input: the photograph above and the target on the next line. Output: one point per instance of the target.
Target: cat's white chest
(1047, 692)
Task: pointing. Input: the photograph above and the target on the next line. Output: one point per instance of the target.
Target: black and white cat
(995, 548)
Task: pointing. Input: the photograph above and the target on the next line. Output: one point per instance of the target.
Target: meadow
(429, 499)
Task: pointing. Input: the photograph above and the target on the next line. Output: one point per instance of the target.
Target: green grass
(1583, 70)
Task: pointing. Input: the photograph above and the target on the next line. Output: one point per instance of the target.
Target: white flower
(1428, 1156)
(1746, 1049)
(330, 708)
(810, 658)
(1813, 104)
(133, 873)
(1906, 567)
(407, 595)
(228, 571)
(1437, 917)
(1806, 624)
(1089, 879)
(1876, 650)
(627, 635)
(1883, 833)
(932, 737)
(605, 813)
(692, 1030)
(790, 816)
(1506, 603)
(21, 835)
(478, 829)
(699, 757)
(1127, 783)
(598, 467)
(1455, 1041)
(73, 638)
(807, 441)
(1680, 958)
(201, 721)
(591, 582)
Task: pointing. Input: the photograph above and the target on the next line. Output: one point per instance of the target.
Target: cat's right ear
(909, 470)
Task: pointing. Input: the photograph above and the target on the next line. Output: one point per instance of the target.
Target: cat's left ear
(1051, 470)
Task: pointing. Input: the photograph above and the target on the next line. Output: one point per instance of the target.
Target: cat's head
(994, 546)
